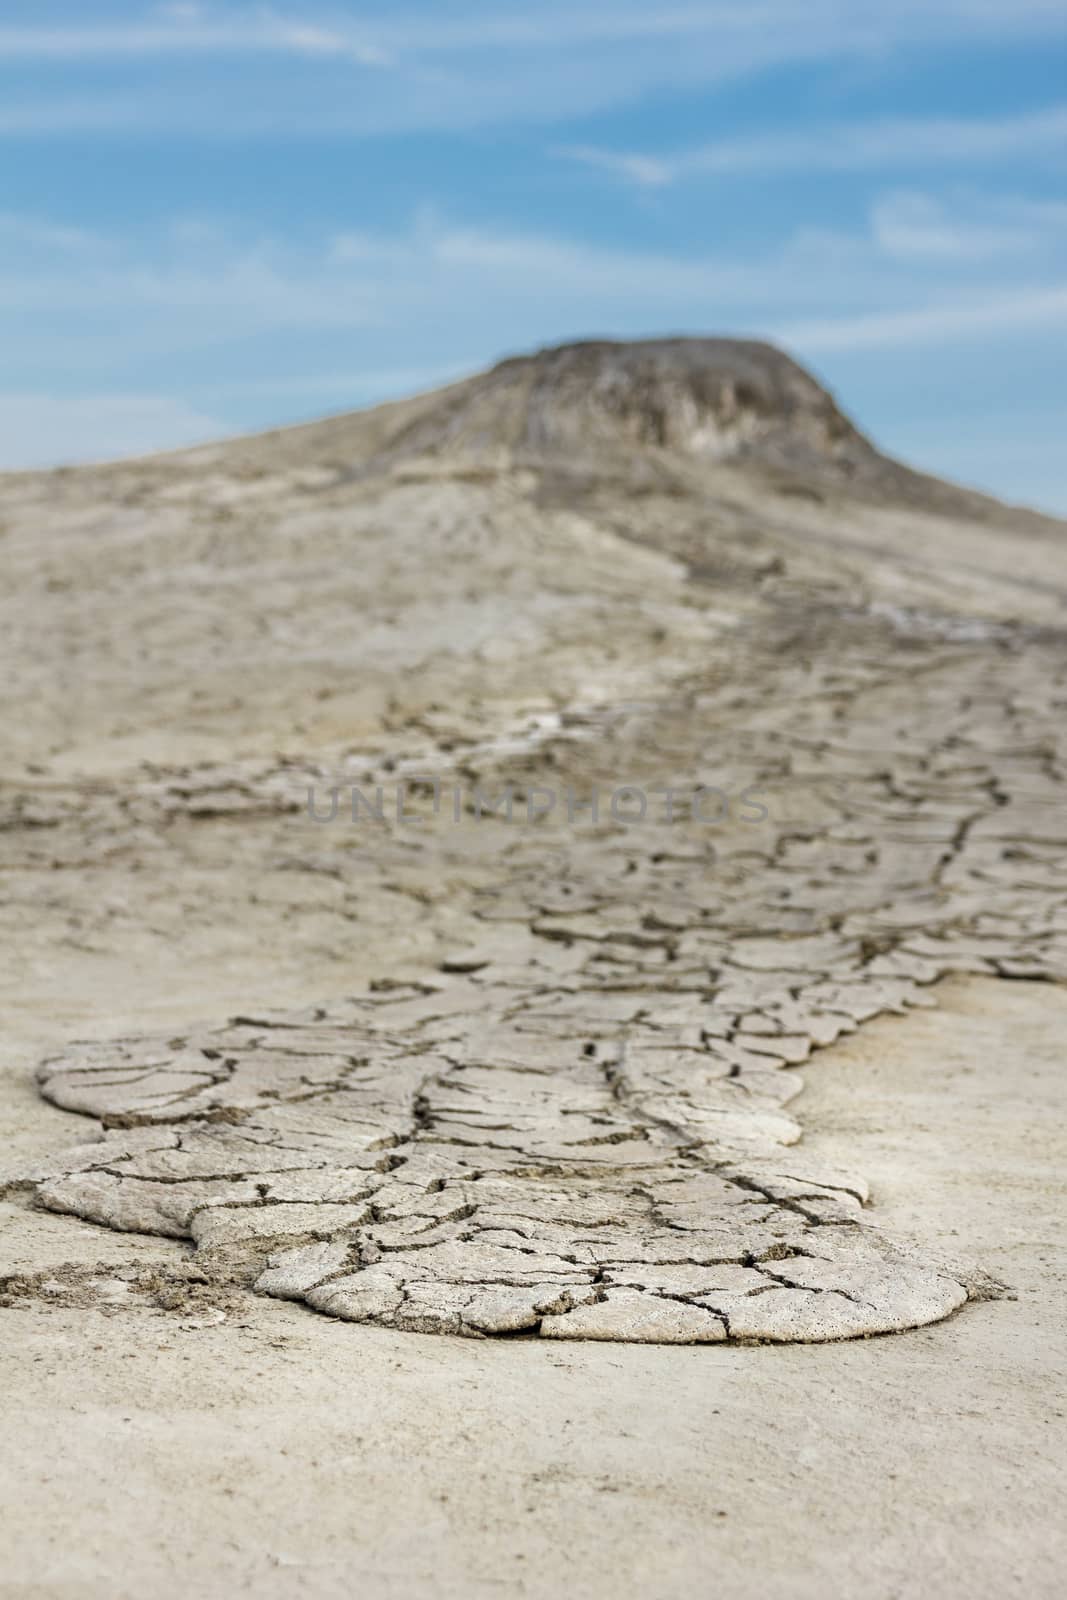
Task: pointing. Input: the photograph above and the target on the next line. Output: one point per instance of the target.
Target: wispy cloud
(376, 32)
(351, 388)
(50, 117)
(648, 171)
(490, 63)
(188, 31)
(979, 227)
(1030, 307)
(49, 429)
(22, 233)
(217, 282)
(920, 269)
(852, 147)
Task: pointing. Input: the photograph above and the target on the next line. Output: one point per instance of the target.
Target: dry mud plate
(561, 1107)
(420, 1163)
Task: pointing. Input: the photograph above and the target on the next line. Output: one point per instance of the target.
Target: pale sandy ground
(276, 598)
(281, 1454)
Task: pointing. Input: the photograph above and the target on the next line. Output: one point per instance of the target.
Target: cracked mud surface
(555, 1098)
(269, 1450)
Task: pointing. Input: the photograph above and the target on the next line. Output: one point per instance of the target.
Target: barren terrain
(318, 1027)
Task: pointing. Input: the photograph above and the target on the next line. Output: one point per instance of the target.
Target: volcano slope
(779, 725)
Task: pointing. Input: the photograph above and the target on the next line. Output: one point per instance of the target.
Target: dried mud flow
(497, 1075)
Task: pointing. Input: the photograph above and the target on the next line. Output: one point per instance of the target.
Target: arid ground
(535, 931)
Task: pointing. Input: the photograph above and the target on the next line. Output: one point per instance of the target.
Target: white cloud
(187, 31)
(193, 276)
(22, 232)
(647, 171)
(47, 117)
(1031, 307)
(45, 430)
(388, 383)
(855, 147)
(452, 68)
(384, 30)
(918, 226)
(48, 429)
(195, 284)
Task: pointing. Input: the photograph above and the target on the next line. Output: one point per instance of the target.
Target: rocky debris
(185, 1292)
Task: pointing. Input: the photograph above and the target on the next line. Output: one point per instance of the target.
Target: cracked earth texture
(553, 1099)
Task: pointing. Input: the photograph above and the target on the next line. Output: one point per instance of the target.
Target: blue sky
(215, 217)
